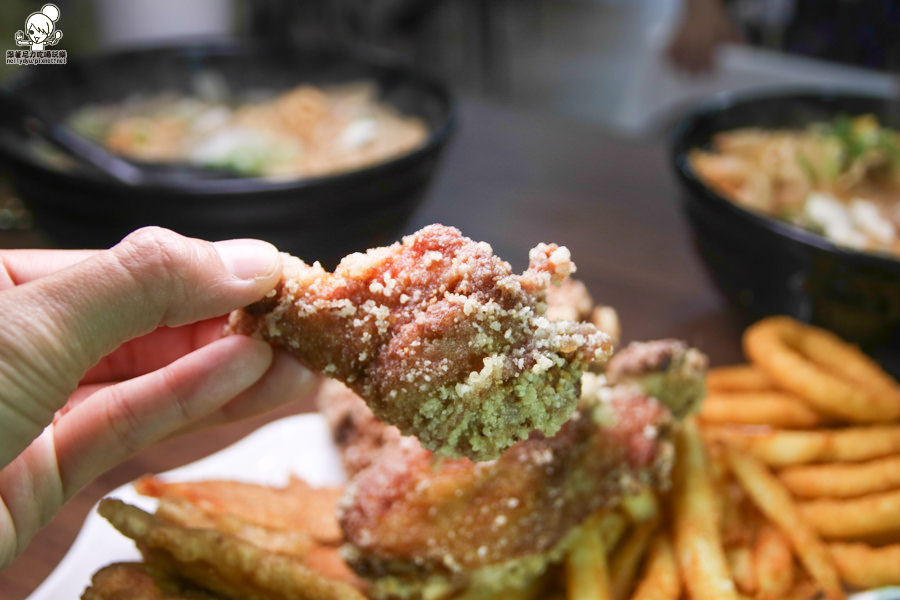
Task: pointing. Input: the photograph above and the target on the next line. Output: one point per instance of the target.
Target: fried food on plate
(781, 448)
(771, 408)
(296, 520)
(866, 566)
(439, 337)
(628, 555)
(415, 521)
(140, 581)
(834, 377)
(587, 572)
(295, 507)
(773, 563)
(775, 502)
(865, 517)
(569, 301)
(668, 370)
(697, 539)
(738, 378)
(660, 580)
(843, 480)
(420, 525)
(222, 563)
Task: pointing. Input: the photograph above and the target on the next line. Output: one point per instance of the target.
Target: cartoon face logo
(40, 29)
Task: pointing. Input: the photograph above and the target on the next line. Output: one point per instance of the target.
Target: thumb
(54, 328)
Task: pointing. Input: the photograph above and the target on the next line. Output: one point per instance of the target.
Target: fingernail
(248, 259)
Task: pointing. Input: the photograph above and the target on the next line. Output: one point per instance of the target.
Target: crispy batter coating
(222, 563)
(668, 370)
(439, 337)
(418, 525)
(296, 520)
(360, 435)
(294, 507)
(139, 581)
(411, 516)
(569, 301)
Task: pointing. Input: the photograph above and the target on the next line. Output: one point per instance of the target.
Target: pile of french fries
(779, 491)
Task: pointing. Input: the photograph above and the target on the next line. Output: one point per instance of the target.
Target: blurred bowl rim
(679, 150)
(374, 57)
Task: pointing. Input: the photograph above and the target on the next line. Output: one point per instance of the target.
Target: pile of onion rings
(810, 428)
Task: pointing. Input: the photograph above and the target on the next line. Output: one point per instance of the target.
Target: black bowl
(769, 267)
(320, 218)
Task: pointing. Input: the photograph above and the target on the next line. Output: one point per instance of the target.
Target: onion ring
(834, 377)
(865, 517)
(863, 566)
(781, 448)
(836, 480)
(738, 378)
(774, 409)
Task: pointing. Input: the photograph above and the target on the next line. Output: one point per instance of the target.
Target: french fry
(587, 574)
(530, 589)
(773, 562)
(782, 448)
(775, 502)
(802, 590)
(863, 566)
(843, 480)
(740, 563)
(775, 409)
(831, 375)
(641, 507)
(698, 543)
(659, 580)
(627, 558)
(854, 518)
(611, 526)
(739, 519)
(738, 378)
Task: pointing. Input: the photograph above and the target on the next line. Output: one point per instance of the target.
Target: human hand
(701, 31)
(105, 352)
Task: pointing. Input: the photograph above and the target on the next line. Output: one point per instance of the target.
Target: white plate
(299, 445)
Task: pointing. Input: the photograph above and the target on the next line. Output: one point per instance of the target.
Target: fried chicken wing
(439, 337)
(222, 563)
(139, 581)
(296, 507)
(417, 525)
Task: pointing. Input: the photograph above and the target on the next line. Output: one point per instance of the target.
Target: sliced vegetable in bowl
(838, 178)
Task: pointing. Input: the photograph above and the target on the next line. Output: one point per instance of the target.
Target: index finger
(21, 266)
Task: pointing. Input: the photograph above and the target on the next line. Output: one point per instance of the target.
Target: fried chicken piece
(410, 518)
(296, 507)
(668, 370)
(420, 526)
(139, 581)
(222, 563)
(569, 301)
(360, 435)
(296, 520)
(439, 337)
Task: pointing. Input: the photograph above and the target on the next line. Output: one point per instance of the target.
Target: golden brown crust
(295, 507)
(221, 562)
(439, 337)
(412, 519)
(569, 301)
(359, 435)
(139, 581)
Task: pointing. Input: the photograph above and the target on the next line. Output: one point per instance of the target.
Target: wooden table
(512, 179)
